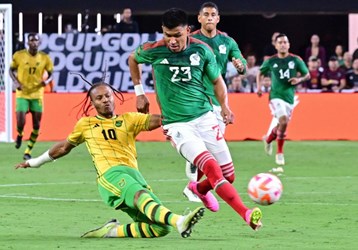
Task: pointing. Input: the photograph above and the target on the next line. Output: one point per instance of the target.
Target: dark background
(250, 22)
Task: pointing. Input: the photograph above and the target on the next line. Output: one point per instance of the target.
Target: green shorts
(25, 105)
(117, 188)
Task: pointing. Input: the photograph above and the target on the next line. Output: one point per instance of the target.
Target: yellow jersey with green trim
(110, 142)
(30, 70)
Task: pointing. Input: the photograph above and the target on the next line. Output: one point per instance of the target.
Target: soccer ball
(265, 189)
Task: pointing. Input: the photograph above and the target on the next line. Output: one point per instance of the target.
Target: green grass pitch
(50, 207)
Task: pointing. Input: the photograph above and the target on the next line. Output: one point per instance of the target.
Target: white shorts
(281, 108)
(219, 117)
(201, 134)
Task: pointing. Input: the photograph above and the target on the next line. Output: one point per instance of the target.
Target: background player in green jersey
(287, 70)
(26, 70)
(226, 50)
(179, 64)
(110, 140)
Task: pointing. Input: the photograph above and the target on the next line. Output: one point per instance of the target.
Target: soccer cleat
(267, 146)
(186, 223)
(280, 159)
(102, 231)
(253, 218)
(190, 195)
(208, 199)
(27, 157)
(18, 141)
(278, 170)
(191, 171)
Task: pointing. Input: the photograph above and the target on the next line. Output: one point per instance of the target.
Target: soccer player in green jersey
(287, 70)
(179, 64)
(226, 50)
(26, 70)
(110, 140)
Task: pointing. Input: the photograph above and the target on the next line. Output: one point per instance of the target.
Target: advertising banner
(92, 55)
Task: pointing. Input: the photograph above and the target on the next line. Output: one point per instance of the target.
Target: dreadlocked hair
(85, 104)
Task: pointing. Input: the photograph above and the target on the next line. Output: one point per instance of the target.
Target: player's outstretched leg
(101, 232)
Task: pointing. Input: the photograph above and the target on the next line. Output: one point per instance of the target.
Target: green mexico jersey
(224, 48)
(179, 78)
(283, 69)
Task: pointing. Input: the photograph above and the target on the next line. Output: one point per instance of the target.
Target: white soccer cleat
(191, 171)
(280, 159)
(186, 223)
(103, 231)
(267, 146)
(190, 195)
(278, 170)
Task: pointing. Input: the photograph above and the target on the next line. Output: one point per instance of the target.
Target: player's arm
(259, 78)
(237, 58)
(155, 121)
(17, 83)
(56, 151)
(297, 80)
(221, 95)
(136, 74)
(48, 80)
(265, 67)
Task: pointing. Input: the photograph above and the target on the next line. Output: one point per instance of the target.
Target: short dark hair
(33, 34)
(280, 35)
(209, 5)
(174, 17)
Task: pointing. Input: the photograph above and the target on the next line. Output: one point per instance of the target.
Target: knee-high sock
(32, 141)
(207, 163)
(280, 141)
(155, 211)
(272, 136)
(139, 230)
(161, 217)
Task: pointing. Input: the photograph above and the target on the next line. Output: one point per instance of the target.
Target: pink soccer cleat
(253, 218)
(208, 199)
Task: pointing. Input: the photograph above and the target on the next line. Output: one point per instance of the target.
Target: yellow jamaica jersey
(110, 142)
(30, 70)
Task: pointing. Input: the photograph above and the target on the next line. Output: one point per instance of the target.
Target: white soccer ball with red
(265, 188)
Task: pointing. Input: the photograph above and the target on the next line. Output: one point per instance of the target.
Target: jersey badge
(96, 125)
(164, 61)
(222, 49)
(275, 65)
(122, 183)
(291, 65)
(194, 59)
(118, 123)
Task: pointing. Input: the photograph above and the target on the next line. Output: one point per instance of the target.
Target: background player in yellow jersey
(26, 70)
(110, 140)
